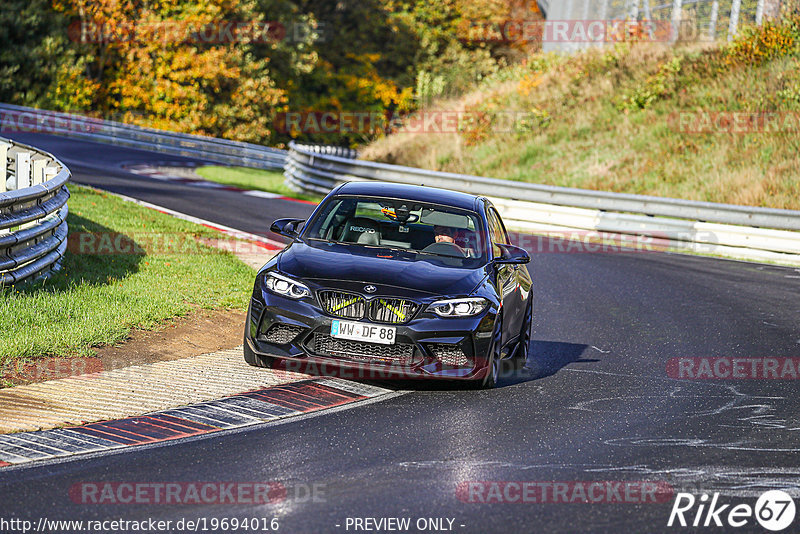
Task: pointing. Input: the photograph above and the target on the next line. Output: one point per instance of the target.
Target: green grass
(98, 299)
(254, 179)
(610, 122)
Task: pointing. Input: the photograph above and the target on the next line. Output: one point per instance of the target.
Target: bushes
(757, 44)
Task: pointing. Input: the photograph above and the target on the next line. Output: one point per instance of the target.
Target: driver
(444, 234)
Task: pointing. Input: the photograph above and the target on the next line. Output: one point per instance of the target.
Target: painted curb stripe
(95, 443)
(245, 409)
(150, 171)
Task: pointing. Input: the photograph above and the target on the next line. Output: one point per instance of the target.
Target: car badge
(370, 289)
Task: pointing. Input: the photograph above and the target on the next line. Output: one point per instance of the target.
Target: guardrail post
(22, 172)
(4, 165)
(39, 165)
(50, 172)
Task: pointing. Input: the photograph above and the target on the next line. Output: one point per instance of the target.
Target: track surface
(597, 404)
(101, 166)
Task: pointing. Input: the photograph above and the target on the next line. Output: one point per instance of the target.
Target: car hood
(347, 263)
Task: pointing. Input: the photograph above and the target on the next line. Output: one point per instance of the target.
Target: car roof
(411, 192)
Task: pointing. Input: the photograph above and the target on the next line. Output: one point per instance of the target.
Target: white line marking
(353, 387)
(264, 194)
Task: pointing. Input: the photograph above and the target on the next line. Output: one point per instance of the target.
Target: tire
(524, 344)
(256, 360)
(490, 380)
(251, 357)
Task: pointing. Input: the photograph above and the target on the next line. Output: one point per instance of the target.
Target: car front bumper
(432, 347)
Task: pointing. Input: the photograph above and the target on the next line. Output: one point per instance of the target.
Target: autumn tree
(171, 64)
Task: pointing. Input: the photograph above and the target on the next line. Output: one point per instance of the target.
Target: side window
(496, 232)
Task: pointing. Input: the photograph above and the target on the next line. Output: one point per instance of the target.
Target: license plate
(363, 332)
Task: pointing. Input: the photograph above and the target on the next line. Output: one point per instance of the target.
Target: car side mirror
(287, 227)
(511, 254)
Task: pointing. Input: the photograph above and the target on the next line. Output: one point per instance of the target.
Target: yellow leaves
(529, 83)
(73, 91)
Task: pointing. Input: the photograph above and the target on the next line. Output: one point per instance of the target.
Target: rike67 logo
(774, 510)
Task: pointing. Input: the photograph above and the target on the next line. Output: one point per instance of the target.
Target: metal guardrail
(719, 228)
(23, 119)
(303, 182)
(33, 212)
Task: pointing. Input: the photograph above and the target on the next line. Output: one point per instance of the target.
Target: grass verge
(97, 299)
(634, 118)
(253, 179)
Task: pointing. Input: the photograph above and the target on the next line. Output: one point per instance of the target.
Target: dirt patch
(200, 332)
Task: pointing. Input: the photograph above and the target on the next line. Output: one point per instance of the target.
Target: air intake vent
(449, 354)
(346, 305)
(326, 345)
(392, 311)
(282, 334)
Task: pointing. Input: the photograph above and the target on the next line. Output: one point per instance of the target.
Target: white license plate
(363, 332)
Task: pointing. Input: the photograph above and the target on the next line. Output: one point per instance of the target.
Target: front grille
(326, 345)
(346, 305)
(448, 354)
(392, 311)
(281, 334)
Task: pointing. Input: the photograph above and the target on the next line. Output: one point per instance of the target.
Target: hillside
(718, 123)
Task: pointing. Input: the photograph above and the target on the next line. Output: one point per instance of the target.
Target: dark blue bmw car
(394, 281)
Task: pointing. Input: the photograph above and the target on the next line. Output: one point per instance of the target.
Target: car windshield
(407, 225)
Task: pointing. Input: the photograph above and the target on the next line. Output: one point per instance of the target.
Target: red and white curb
(157, 171)
(242, 410)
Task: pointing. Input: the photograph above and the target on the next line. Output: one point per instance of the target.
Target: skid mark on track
(729, 481)
(736, 481)
(719, 405)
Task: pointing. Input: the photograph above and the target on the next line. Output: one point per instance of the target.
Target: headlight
(283, 285)
(459, 307)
